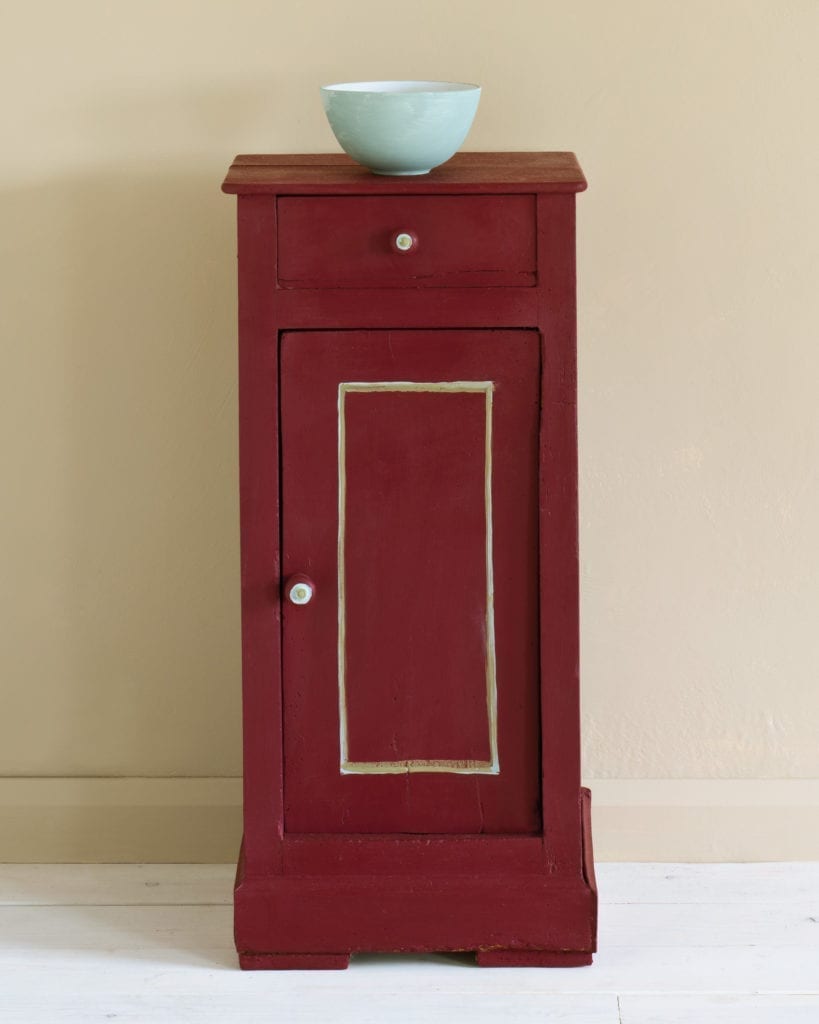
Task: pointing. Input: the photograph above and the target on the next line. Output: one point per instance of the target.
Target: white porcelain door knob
(404, 241)
(299, 589)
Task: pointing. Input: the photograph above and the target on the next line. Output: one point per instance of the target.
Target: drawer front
(406, 242)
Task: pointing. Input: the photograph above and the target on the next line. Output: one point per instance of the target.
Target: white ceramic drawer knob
(404, 241)
(299, 589)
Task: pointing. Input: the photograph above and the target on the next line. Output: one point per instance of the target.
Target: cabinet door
(409, 497)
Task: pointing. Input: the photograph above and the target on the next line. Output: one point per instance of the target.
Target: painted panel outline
(455, 767)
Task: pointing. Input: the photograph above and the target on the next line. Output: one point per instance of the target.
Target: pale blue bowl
(400, 127)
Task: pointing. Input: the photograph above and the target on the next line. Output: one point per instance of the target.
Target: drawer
(451, 241)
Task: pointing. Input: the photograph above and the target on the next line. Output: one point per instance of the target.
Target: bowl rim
(402, 87)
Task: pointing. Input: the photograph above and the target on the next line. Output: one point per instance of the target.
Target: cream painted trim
(402, 767)
(708, 820)
(129, 790)
(706, 792)
(348, 767)
(198, 820)
(120, 820)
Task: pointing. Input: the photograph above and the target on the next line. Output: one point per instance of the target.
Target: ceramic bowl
(400, 127)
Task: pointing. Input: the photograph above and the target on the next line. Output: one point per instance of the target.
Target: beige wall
(696, 123)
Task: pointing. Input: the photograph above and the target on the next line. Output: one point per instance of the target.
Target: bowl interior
(401, 87)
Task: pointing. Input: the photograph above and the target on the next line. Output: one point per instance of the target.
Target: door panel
(413, 606)
(409, 496)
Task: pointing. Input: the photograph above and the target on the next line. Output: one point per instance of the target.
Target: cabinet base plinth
(490, 895)
(294, 961)
(532, 958)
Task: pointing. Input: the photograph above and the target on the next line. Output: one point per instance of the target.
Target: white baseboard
(198, 820)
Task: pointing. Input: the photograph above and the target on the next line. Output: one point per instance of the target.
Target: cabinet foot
(532, 958)
(294, 961)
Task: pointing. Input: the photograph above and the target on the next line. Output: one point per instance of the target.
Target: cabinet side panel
(259, 503)
(559, 612)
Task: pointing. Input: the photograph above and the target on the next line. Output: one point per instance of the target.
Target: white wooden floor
(679, 943)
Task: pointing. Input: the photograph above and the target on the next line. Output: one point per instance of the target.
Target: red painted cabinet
(409, 563)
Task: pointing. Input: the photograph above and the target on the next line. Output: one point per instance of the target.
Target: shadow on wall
(124, 630)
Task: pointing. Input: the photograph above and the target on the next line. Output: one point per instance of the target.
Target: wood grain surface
(465, 173)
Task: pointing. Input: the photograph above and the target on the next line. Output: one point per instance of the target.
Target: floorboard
(726, 1009)
(153, 944)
